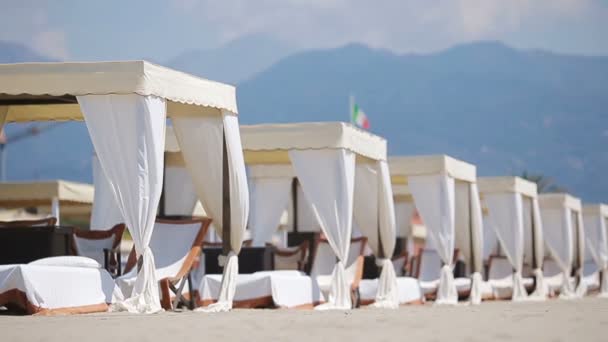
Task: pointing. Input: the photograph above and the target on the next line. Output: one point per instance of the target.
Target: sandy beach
(554, 320)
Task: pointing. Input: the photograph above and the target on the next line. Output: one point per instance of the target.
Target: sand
(554, 320)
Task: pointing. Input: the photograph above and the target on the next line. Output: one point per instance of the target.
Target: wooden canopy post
(161, 205)
(226, 224)
(471, 242)
(534, 264)
(294, 200)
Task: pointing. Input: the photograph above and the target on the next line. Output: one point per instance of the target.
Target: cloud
(28, 22)
(407, 25)
(51, 43)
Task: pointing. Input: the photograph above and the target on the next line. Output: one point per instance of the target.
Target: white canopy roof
(403, 166)
(41, 193)
(269, 143)
(558, 201)
(507, 184)
(26, 89)
(596, 209)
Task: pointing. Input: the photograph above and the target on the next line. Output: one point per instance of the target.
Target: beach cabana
(565, 240)
(57, 197)
(444, 191)
(330, 160)
(513, 214)
(595, 218)
(125, 106)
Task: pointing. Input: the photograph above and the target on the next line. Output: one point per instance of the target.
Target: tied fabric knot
(222, 259)
(381, 261)
(446, 293)
(228, 286)
(387, 295)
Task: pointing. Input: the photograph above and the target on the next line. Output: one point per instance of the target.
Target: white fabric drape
(269, 197)
(597, 245)
(434, 198)
(505, 216)
(374, 215)
(328, 179)
(200, 140)
(128, 133)
(180, 197)
(104, 213)
(476, 249)
(540, 291)
(579, 248)
(388, 290)
(557, 224)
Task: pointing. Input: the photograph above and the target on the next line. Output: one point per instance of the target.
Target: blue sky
(159, 30)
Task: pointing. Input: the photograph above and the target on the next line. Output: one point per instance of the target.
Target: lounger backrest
(325, 259)
(357, 248)
(500, 268)
(92, 243)
(399, 264)
(430, 265)
(290, 258)
(171, 241)
(551, 268)
(47, 222)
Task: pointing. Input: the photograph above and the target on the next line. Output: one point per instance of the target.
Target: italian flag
(359, 118)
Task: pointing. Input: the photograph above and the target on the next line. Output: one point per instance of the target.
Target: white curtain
(597, 245)
(105, 213)
(434, 198)
(200, 140)
(577, 218)
(557, 225)
(328, 179)
(404, 211)
(269, 197)
(374, 215)
(128, 133)
(387, 295)
(476, 248)
(540, 291)
(180, 197)
(505, 216)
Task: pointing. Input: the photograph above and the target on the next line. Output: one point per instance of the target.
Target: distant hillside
(234, 62)
(11, 52)
(504, 109)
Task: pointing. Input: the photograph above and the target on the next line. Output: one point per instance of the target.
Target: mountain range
(504, 109)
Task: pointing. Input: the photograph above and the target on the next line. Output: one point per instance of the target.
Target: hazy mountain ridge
(504, 109)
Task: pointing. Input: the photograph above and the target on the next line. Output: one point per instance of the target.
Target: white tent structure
(332, 162)
(444, 191)
(565, 241)
(63, 198)
(125, 106)
(514, 217)
(595, 218)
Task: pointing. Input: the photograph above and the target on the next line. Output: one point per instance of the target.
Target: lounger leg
(165, 300)
(192, 302)
(178, 292)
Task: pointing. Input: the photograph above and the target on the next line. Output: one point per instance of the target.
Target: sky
(160, 30)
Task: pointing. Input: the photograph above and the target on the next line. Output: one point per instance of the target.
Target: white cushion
(67, 261)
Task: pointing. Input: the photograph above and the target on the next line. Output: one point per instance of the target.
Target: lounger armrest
(358, 272)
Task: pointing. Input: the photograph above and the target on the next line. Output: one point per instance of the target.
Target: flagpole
(351, 108)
